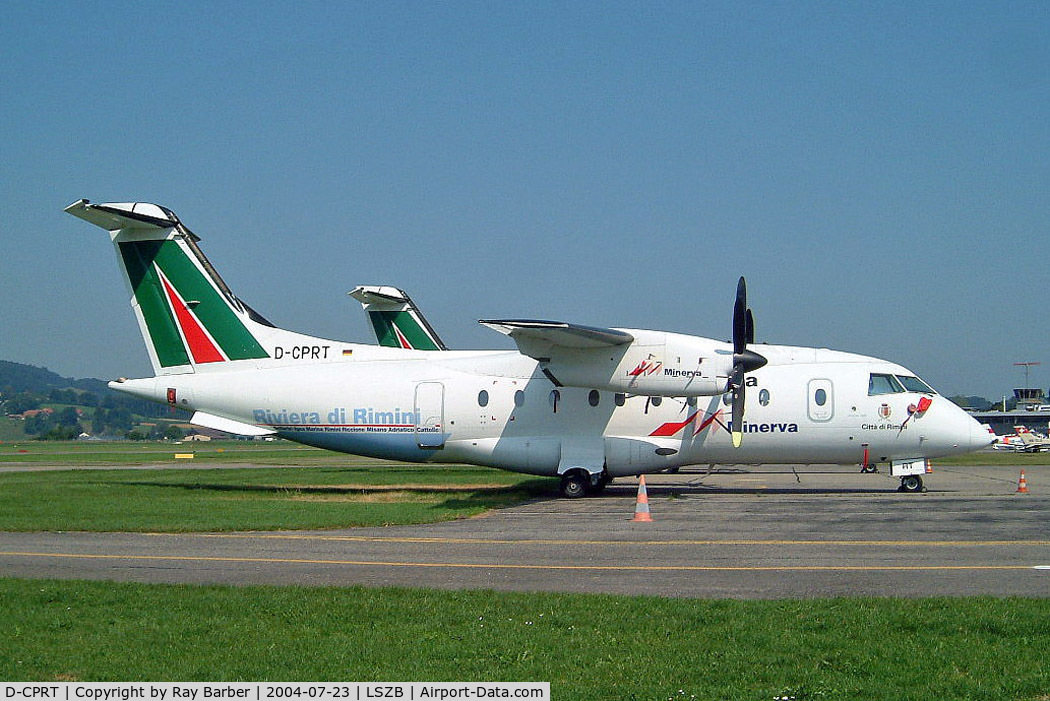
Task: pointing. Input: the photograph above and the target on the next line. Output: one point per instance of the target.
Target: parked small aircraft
(1030, 441)
(583, 403)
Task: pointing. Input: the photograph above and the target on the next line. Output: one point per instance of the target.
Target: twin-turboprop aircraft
(582, 403)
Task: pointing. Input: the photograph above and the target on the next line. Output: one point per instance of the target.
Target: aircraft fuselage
(499, 409)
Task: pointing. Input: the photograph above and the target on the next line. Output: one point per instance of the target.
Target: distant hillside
(39, 404)
(18, 377)
(35, 384)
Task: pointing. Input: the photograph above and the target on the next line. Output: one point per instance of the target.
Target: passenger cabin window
(593, 397)
(883, 384)
(519, 398)
(914, 384)
(483, 398)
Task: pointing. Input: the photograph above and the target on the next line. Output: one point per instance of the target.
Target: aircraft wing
(535, 337)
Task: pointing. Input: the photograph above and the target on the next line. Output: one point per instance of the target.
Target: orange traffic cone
(1022, 484)
(641, 509)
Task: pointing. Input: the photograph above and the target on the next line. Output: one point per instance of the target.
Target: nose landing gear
(911, 483)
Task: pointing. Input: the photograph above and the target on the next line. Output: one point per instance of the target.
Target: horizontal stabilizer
(379, 294)
(558, 333)
(218, 423)
(124, 215)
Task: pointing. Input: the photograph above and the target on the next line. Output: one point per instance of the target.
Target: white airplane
(582, 403)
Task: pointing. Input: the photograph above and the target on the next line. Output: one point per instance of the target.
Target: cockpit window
(914, 384)
(883, 384)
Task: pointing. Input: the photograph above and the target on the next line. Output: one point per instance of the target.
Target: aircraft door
(430, 415)
(821, 400)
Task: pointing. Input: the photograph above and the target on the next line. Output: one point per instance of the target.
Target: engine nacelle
(655, 363)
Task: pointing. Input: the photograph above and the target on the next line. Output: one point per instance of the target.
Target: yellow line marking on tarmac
(486, 566)
(551, 541)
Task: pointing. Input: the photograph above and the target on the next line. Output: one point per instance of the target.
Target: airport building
(1032, 411)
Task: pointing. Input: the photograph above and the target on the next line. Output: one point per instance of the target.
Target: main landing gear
(578, 483)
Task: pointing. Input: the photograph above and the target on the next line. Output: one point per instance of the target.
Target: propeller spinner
(744, 360)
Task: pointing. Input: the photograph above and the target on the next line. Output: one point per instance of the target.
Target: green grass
(1007, 458)
(371, 493)
(92, 453)
(11, 429)
(587, 646)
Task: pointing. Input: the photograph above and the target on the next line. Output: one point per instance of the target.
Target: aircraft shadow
(706, 490)
(538, 490)
(531, 487)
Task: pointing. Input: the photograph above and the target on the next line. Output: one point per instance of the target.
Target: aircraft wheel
(869, 468)
(596, 489)
(574, 485)
(911, 483)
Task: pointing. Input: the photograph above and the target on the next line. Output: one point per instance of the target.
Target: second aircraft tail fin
(396, 319)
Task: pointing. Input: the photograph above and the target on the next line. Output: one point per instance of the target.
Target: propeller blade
(736, 424)
(744, 360)
(740, 317)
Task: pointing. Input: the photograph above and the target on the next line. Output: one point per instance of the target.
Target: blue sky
(878, 171)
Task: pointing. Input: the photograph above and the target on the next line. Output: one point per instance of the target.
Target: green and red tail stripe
(188, 319)
(200, 344)
(401, 330)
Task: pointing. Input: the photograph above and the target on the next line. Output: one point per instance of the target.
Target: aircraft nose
(979, 435)
(964, 433)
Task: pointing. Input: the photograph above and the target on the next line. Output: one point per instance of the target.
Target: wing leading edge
(533, 334)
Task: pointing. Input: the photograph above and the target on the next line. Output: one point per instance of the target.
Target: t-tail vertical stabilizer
(396, 319)
(189, 318)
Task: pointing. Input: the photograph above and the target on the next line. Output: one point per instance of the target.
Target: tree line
(62, 408)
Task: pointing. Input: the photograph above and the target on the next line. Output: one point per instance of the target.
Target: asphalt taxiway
(742, 532)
